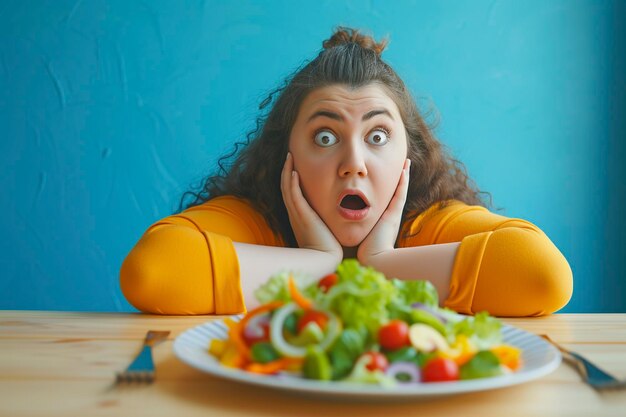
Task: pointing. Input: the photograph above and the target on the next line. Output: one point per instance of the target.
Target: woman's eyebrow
(336, 116)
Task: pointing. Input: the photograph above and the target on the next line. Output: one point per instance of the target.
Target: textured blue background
(110, 110)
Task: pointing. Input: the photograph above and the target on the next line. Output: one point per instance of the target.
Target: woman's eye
(325, 138)
(377, 137)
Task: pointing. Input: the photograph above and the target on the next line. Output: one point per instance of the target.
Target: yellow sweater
(186, 263)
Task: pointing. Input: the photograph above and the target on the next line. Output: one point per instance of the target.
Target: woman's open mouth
(353, 206)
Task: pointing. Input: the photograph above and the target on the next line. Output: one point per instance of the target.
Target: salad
(356, 325)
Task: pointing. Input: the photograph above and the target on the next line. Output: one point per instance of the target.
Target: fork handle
(591, 372)
(153, 337)
(143, 361)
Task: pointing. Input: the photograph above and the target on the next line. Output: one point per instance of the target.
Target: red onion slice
(257, 327)
(404, 372)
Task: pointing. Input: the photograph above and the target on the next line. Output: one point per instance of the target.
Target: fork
(591, 374)
(142, 368)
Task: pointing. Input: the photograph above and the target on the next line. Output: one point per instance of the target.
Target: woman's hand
(309, 229)
(383, 236)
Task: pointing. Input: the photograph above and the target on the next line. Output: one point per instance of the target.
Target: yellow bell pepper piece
(217, 347)
(232, 358)
(230, 323)
(509, 356)
(462, 350)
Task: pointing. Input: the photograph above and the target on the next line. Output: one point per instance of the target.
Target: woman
(343, 165)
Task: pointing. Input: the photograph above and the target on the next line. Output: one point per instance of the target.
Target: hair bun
(344, 35)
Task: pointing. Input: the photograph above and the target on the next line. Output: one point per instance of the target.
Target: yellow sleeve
(187, 264)
(506, 266)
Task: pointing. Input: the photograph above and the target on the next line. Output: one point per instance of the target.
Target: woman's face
(349, 148)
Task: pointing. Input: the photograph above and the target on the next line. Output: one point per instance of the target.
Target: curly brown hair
(352, 59)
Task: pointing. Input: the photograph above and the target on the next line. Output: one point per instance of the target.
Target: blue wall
(110, 110)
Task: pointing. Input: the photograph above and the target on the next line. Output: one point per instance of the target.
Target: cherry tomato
(257, 330)
(328, 281)
(377, 361)
(394, 335)
(312, 315)
(440, 369)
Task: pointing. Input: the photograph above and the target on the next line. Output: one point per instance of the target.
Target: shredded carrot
(297, 296)
(274, 366)
(236, 332)
(260, 309)
(237, 339)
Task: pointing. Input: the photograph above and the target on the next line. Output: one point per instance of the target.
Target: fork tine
(143, 377)
(610, 385)
(135, 377)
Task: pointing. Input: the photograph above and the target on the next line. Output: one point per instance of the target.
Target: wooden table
(62, 364)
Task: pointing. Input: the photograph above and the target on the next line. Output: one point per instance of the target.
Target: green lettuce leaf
(483, 329)
(347, 348)
(483, 364)
(418, 291)
(409, 292)
(277, 288)
(274, 289)
(360, 297)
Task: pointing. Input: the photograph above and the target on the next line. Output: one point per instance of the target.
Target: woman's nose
(353, 162)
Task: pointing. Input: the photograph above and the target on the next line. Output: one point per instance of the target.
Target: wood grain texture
(62, 364)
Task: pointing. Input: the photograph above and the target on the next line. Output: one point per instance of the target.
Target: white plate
(539, 358)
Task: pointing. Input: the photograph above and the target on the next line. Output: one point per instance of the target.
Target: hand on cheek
(383, 236)
(309, 229)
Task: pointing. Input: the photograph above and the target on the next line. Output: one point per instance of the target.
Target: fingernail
(293, 174)
(288, 155)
